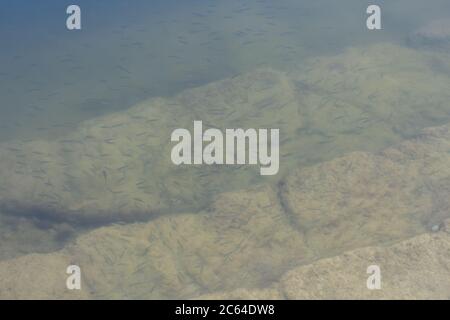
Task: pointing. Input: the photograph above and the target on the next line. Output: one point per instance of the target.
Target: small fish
(105, 176)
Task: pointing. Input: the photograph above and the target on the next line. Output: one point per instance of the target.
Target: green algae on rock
(251, 238)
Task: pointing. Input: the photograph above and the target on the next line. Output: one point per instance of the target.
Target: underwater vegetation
(117, 167)
(251, 238)
(364, 161)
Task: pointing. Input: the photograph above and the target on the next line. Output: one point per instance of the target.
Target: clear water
(53, 80)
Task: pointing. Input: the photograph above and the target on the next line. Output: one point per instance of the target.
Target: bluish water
(52, 78)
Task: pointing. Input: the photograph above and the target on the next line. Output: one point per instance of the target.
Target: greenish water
(309, 68)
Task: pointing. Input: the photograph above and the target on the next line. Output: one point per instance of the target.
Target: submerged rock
(413, 269)
(118, 168)
(250, 238)
(353, 200)
(245, 238)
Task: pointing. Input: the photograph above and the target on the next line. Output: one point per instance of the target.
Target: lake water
(328, 83)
